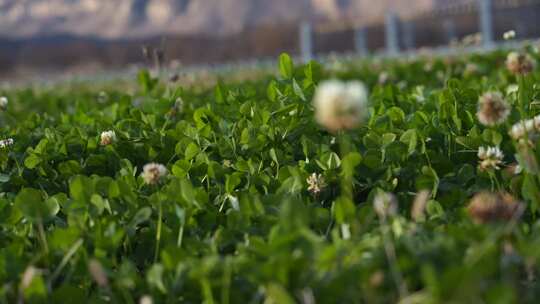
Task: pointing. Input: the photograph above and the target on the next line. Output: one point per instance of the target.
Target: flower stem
(158, 232)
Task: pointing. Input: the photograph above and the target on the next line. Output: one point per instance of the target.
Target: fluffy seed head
(492, 109)
(385, 204)
(107, 137)
(490, 158)
(492, 207)
(340, 105)
(153, 173)
(3, 103)
(519, 63)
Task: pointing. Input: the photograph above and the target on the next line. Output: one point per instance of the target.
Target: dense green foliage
(233, 222)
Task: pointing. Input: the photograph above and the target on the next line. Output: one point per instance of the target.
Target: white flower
(509, 35)
(153, 173)
(4, 143)
(107, 137)
(492, 109)
(525, 128)
(316, 183)
(385, 204)
(3, 103)
(490, 158)
(146, 299)
(340, 105)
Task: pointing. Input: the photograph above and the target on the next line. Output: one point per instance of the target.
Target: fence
(491, 18)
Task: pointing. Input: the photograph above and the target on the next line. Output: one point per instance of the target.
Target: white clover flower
(3, 103)
(153, 173)
(107, 137)
(492, 109)
(340, 105)
(525, 128)
(385, 204)
(490, 158)
(520, 64)
(146, 299)
(316, 183)
(4, 143)
(509, 35)
(518, 131)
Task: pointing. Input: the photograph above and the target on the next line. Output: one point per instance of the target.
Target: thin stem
(43, 237)
(180, 235)
(72, 250)
(158, 232)
(390, 252)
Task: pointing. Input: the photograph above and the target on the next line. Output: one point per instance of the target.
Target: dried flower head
(385, 204)
(5, 143)
(316, 183)
(520, 63)
(419, 204)
(509, 35)
(492, 109)
(340, 105)
(3, 103)
(98, 273)
(492, 207)
(490, 158)
(107, 137)
(153, 173)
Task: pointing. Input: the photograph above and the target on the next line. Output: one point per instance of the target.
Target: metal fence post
(409, 35)
(306, 41)
(486, 21)
(360, 41)
(391, 26)
(450, 30)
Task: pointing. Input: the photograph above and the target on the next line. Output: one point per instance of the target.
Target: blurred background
(87, 36)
